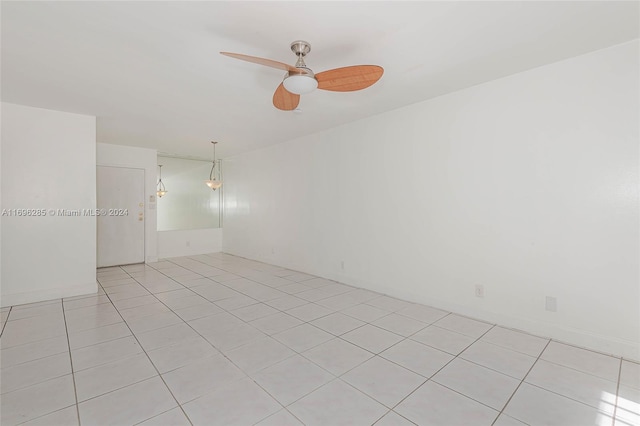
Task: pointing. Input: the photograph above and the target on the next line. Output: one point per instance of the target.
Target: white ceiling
(152, 74)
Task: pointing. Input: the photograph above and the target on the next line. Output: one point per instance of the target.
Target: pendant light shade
(161, 190)
(212, 182)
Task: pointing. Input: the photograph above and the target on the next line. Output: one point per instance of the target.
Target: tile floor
(220, 340)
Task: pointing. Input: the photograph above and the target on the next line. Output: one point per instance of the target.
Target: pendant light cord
(214, 161)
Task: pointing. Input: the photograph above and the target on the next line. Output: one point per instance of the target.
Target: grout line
(522, 381)
(615, 405)
(4, 324)
(150, 361)
(73, 375)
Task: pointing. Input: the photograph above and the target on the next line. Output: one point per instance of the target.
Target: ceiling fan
(300, 79)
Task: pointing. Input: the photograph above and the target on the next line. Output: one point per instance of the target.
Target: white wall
(137, 158)
(189, 242)
(48, 162)
(527, 185)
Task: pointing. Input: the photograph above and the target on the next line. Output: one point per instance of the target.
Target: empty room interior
(320, 213)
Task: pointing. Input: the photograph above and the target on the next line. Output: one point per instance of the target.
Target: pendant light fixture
(161, 189)
(212, 182)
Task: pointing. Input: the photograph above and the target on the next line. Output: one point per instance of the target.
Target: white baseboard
(42, 295)
(601, 343)
(577, 337)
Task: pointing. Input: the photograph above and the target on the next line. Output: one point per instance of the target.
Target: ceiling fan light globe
(300, 84)
(213, 184)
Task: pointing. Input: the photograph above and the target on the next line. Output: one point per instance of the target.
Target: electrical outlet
(551, 304)
(342, 265)
(479, 290)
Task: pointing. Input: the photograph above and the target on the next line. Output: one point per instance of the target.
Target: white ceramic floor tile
(506, 361)
(294, 288)
(215, 292)
(337, 323)
(442, 339)
(259, 354)
(201, 377)
(153, 322)
(33, 329)
(174, 295)
(463, 325)
(399, 324)
(372, 338)
(135, 302)
(65, 417)
(275, 323)
(103, 353)
(254, 312)
(366, 313)
(235, 302)
(337, 356)
(31, 351)
(173, 417)
(630, 374)
(337, 403)
(383, 380)
(302, 337)
(291, 379)
(584, 360)
(309, 312)
(505, 420)
(433, 404)
(169, 358)
(167, 336)
(479, 383)
(317, 294)
(341, 301)
(187, 301)
(515, 340)
(422, 313)
(281, 418)
(628, 405)
(419, 358)
(286, 302)
(536, 406)
(389, 303)
(86, 301)
(238, 403)
(129, 405)
(37, 400)
(34, 372)
(217, 323)
(198, 311)
(393, 419)
(114, 375)
(98, 335)
(234, 338)
(89, 311)
(571, 383)
(52, 308)
(87, 323)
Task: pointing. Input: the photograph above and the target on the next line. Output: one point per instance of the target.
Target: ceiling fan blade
(266, 62)
(349, 79)
(285, 100)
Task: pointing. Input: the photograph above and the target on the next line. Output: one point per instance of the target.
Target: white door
(121, 216)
